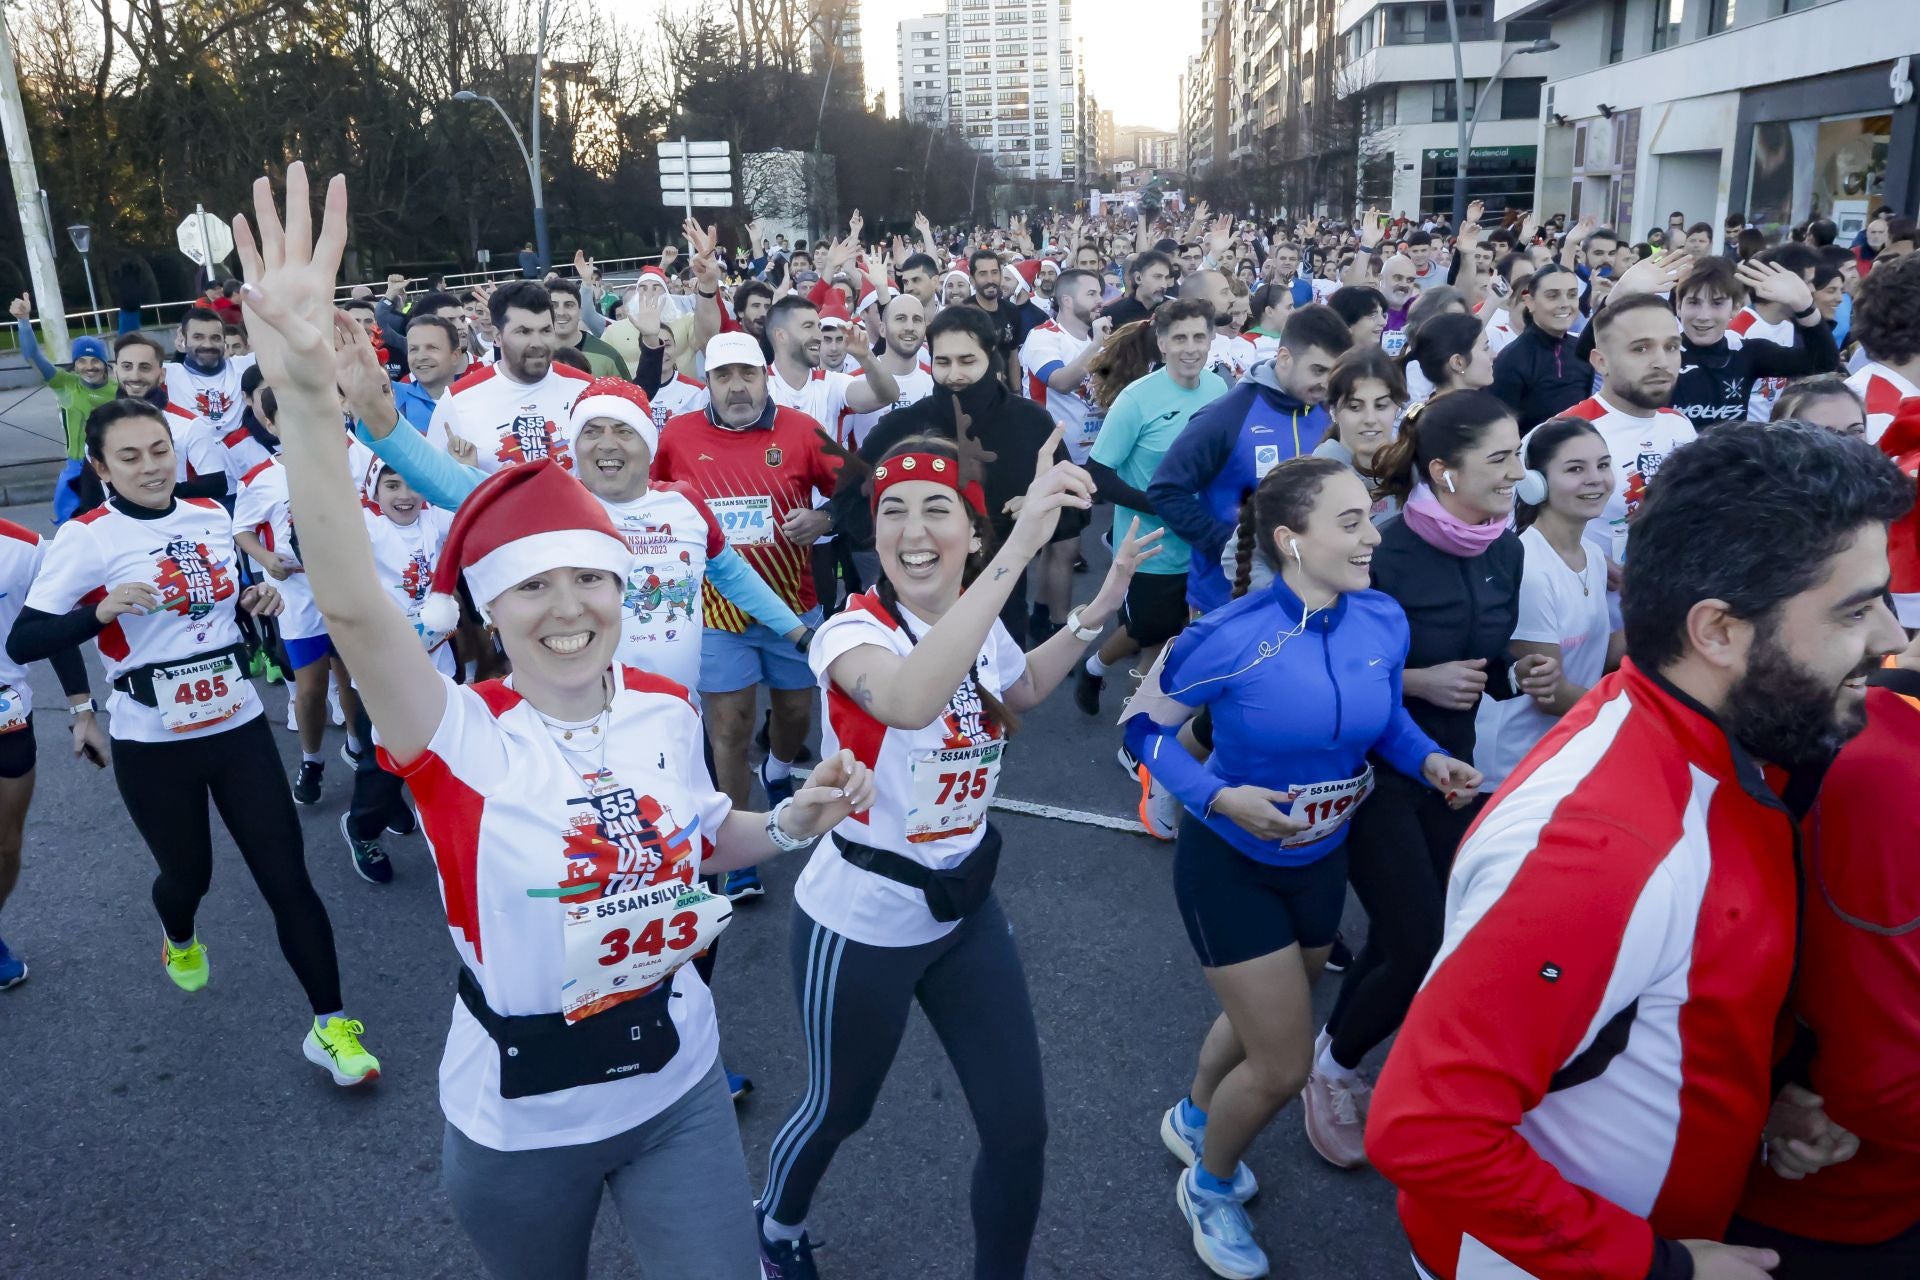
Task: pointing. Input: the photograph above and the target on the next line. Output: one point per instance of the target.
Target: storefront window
(1832, 168)
(1666, 22)
(1500, 176)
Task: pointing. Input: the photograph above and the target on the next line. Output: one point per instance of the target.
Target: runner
(514, 410)
(203, 381)
(1563, 588)
(21, 555)
(1454, 566)
(1825, 400)
(1261, 886)
(923, 685)
(1363, 309)
(1539, 374)
(1365, 396)
(554, 800)
(150, 578)
(1886, 322)
(1581, 1085)
(1718, 370)
(1511, 274)
(78, 391)
(1447, 352)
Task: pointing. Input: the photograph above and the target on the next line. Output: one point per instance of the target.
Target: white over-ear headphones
(1532, 488)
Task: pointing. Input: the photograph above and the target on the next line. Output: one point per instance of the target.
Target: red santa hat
(657, 274)
(620, 400)
(521, 521)
(833, 311)
(1029, 269)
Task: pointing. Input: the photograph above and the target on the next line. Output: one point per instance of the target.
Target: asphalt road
(144, 1132)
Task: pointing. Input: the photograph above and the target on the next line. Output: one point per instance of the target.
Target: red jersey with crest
(187, 556)
(524, 829)
(510, 422)
(750, 479)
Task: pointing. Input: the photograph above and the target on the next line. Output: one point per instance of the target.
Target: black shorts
(17, 751)
(1236, 909)
(1156, 608)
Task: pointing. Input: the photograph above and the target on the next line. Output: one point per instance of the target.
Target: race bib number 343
(624, 945)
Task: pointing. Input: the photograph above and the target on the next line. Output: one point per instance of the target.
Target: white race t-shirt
(821, 397)
(214, 396)
(1557, 606)
(403, 560)
(914, 387)
(197, 450)
(682, 395)
(1765, 391)
(858, 904)
(21, 551)
(1638, 447)
(510, 422)
(522, 832)
(1046, 349)
(187, 556)
(672, 536)
(1500, 332)
(262, 507)
(1881, 390)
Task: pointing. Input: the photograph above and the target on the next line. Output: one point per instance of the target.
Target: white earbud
(1293, 547)
(1448, 476)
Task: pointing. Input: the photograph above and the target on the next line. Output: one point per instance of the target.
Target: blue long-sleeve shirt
(1291, 706)
(1217, 460)
(436, 477)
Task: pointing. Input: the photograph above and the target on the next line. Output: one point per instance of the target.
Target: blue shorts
(731, 661)
(308, 650)
(1236, 909)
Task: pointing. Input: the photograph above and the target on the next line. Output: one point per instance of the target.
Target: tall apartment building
(1008, 77)
(833, 40)
(1780, 110)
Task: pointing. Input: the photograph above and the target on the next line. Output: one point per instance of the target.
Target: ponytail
(1126, 358)
(1243, 547)
(1443, 429)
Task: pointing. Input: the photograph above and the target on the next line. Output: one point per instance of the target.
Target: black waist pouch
(953, 893)
(544, 1053)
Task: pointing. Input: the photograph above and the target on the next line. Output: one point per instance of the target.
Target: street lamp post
(82, 237)
(1463, 122)
(531, 158)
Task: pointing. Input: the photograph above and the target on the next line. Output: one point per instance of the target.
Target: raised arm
(288, 300)
(21, 309)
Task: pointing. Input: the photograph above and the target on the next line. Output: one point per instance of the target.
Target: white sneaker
(1159, 810)
(293, 716)
(334, 712)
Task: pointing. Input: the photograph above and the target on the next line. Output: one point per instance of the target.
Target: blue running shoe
(1222, 1236)
(1187, 1142)
(784, 1259)
(743, 883)
(738, 1085)
(13, 970)
(776, 791)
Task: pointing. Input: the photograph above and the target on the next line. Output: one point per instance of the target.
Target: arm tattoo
(861, 694)
(999, 573)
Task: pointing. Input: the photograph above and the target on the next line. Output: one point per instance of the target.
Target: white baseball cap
(733, 348)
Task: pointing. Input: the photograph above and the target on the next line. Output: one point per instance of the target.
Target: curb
(26, 492)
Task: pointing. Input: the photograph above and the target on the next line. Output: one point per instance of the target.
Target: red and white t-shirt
(1753, 328)
(510, 422)
(1882, 389)
(821, 397)
(403, 560)
(682, 395)
(1638, 446)
(21, 551)
(929, 783)
(262, 507)
(1500, 331)
(197, 450)
(672, 536)
(214, 396)
(750, 479)
(1047, 349)
(525, 830)
(914, 387)
(187, 556)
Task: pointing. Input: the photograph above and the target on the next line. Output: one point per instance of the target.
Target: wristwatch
(805, 638)
(781, 840)
(1081, 633)
(74, 709)
(1808, 310)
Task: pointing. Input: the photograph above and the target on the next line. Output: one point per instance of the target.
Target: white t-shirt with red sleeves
(403, 560)
(672, 536)
(524, 830)
(1752, 328)
(187, 556)
(682, 395)
(821, 397)
(197, 450)
(21, 552)
(214, 396)
(510, 422)
(914, 387)
(1638, 447)
(262, 506)
(1882, 390)
(922, 778)
(1047, 349)
(1500, 331)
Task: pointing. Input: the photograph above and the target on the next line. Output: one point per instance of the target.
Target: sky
(1108, 30)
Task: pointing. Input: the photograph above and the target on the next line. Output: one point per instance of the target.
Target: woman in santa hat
(570, 815)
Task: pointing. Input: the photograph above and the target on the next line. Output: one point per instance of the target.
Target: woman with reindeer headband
(923, 683)
(570, 814)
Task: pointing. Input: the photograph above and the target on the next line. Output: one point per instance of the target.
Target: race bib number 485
(196, 694)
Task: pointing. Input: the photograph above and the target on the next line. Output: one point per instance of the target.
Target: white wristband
(1080, 633)
(781, 840)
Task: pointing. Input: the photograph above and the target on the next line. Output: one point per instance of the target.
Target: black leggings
(854, 1001)
(376, 793)
(1399, 853)
(166, 786)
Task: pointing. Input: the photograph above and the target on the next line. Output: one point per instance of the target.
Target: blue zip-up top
(1286, 712)
(1221, 454)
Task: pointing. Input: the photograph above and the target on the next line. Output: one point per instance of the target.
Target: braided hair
(996, 711)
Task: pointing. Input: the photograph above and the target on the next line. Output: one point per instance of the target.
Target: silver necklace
(593, 726)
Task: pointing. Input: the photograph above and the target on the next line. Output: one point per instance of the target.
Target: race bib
(1394, 342)
(1265, 458)
(196, 694)
(952, 790)
(625, 945)
(746, 521)
(13, 709)
(1327, 806)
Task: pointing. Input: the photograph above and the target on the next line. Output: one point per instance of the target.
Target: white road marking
(1034, 810)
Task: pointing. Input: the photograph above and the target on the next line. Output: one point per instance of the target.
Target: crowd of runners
(1550, 590)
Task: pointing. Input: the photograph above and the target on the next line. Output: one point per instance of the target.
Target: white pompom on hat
(620, 400)
(521, 521)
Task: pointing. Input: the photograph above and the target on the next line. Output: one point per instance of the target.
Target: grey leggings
(679, 1182)
(854, 1002)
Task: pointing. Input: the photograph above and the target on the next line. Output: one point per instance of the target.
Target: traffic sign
(698, 164)
(670, 182)
(710, 200)
(203, 238)
(685, 148)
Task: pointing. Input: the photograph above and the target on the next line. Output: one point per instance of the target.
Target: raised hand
(21, 308)
(1771, 282)
(1654, 275)
(288, 294)
(1056, 486)
(357, 370)
(854, 224)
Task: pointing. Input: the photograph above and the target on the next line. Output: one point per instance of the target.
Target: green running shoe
(187, 965)
(336, 1049)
